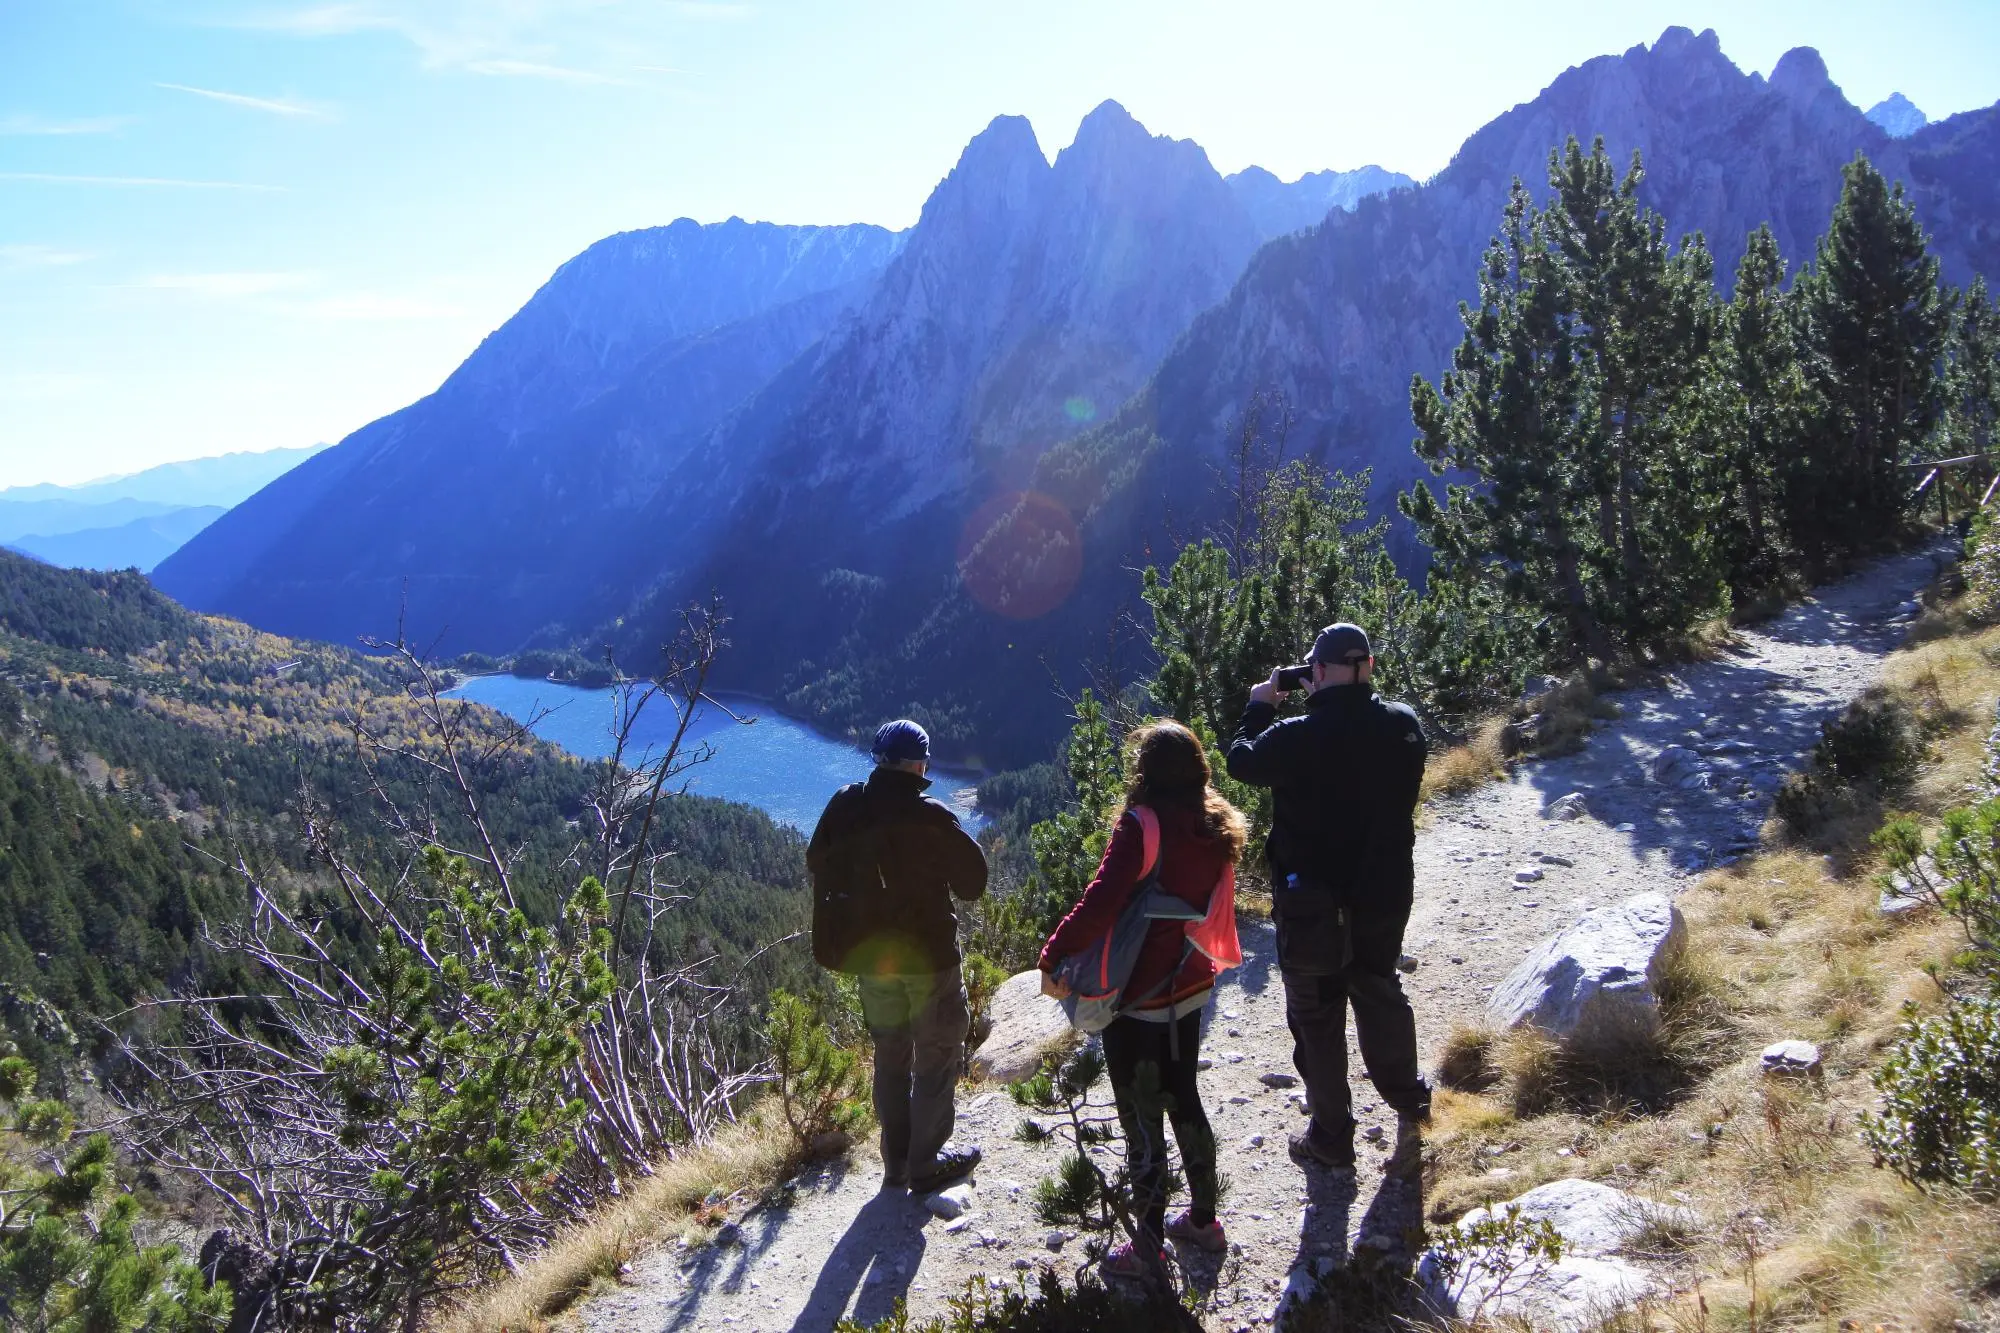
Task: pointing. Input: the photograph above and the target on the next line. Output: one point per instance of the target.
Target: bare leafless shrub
(394, 1117)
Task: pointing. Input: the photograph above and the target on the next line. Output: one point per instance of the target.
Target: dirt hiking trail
(831, 1246)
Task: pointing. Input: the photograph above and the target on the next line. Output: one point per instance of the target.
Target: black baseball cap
(1341, 645)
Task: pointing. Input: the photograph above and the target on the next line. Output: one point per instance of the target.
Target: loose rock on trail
(831, 1245)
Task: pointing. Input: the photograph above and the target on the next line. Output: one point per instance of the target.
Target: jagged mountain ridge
(1279, 206)
(480, 509)
(1032, 297)
(590, 449)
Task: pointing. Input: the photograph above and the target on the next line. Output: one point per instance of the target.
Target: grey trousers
(919, 1026)
(1316, 1011)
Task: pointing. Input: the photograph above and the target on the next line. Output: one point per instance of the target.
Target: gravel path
(836, 1247)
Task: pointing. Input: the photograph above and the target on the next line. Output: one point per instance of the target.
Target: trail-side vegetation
(1861, 1197)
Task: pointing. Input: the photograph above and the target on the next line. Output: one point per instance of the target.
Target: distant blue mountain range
(135, 521)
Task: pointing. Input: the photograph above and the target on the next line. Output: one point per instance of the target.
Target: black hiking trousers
(1153, 1086)
(1316, 1012)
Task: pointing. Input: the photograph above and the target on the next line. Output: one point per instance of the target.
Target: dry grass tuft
(687, 1196)
(1470, 766)
(1558, 721)
(1466, 1062)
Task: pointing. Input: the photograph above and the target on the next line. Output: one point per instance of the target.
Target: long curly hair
(1170, 771)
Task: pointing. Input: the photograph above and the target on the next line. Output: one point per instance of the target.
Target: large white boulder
(1586, 1285)
(1678, 766)
(1026, 1023)
(1594, 1219)
(1596, 982)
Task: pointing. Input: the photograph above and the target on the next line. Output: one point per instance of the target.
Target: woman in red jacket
(1150, 1051)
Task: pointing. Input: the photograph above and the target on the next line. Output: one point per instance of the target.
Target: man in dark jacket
(1345, 777)
(886, 862)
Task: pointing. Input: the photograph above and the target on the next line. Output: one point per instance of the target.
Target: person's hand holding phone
(1054, 987)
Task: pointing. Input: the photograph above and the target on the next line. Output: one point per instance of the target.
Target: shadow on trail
(1260, 954)
(1748, 721)
(1330, 1199)
(726, 1267)
(879, 1254)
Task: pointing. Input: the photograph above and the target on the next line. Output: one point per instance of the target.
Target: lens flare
(1019, 554)
(1080, 409)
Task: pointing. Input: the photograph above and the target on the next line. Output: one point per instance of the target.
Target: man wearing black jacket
(886, 862)
(1345, 777)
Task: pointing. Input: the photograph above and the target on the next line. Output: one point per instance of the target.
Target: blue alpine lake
(781, 766)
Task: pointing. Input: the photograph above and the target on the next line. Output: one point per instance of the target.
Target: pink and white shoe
(1211, 1238)
(1125, 1261)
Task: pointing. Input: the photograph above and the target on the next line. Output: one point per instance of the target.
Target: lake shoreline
(780, 764)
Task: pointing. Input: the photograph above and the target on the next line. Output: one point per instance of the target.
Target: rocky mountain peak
(1898, 116)
(1678, 43)
(1800, 74)
(1002, 167)
(1113, 152)
(1109, 122)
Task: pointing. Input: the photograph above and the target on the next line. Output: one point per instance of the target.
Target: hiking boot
(895, 1180)
(1126, 1261)
(1324, 1150)
(1210, 1238)
(953, 1166)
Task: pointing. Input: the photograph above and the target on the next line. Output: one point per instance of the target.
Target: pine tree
(1573, 401)
(1314, 558)
(1871, 328)
(1509, 411)
(1972, 375)
(1755, 381)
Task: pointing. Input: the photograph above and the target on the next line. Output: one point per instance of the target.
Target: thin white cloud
(165, 182)
(297, 294)
(710, 9)
(39, 256)
(375, 306)
(30, 386)
(228, 286)
(276, 106)
(452, 33)
(27, 124)
(534, 69)
(573, 41)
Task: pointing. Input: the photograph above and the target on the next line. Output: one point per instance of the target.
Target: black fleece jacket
(1344, 776)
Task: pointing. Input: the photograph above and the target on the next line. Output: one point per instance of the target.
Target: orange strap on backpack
(1215, 933)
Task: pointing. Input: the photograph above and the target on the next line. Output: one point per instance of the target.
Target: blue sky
(244, 224)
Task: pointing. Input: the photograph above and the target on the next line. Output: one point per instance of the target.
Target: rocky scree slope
(830, 1244)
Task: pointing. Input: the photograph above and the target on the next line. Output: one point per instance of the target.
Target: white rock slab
(950, 1203)
(1796, 1058)
(1595, 1219)
(1597, 981)
(1026, 1023)
(1589, 1283)
(1571, 806)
